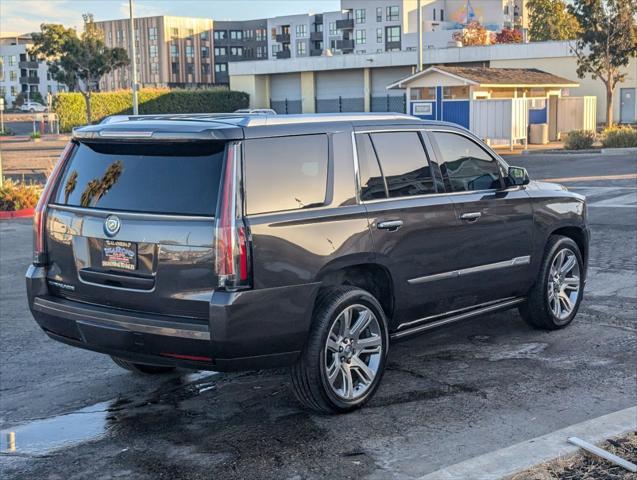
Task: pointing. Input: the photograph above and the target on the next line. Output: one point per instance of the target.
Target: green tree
(607, 42)
(551, 20)
(79, 62)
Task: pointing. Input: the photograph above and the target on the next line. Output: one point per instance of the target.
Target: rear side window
(180, 179)
(465, 164)
(285, 173)
(404, 163)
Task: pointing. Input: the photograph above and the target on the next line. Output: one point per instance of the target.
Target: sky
(22, 16)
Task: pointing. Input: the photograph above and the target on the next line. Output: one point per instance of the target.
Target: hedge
(71, 107)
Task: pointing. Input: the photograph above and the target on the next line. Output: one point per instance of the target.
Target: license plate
(117, 254)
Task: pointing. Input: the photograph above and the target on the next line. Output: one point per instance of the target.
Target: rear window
(285, 173)
(169, 178)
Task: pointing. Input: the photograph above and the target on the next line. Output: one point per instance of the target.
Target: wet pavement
(447, 396)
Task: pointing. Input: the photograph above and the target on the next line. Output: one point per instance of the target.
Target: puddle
(46, 435)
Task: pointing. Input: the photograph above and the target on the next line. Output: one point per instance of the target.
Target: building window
(152, 34)
(154, 68)
(442, 15)
(221, 51)
(13, 60)
(221, 34)
(152, 50)
(301, 49)
(175, 68)
(333, 29)
(361, 37)
(190, 51)
(174, 50)
(392, 14)
(191, 32)
(236, 35)
(426, 93)
(301, 31)
(248, 34)
(236, 51)
(205, 52)
(455, 93)
(379, 35)
(221, 67)
(379, 14)
(3, 91)
(276, 48)
(174, 32)
(13, 76)
(262, 51)
(190, 68)
(392, 34)
(13, 91)
(261, 34)
(205, 69)
(434, 14)
(204, 35)
(360, 14)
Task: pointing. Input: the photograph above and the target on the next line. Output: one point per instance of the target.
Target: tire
(32, 110)
(141, 368)
(546, 307)
(355, 357)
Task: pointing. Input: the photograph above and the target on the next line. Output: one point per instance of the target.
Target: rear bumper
(246, 330)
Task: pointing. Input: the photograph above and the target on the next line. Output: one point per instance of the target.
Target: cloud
(23, 16)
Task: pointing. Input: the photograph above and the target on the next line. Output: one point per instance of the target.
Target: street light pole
(133, 59)
(420, 52)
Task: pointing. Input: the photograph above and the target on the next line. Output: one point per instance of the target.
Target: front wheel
(556, 296)
(344, 359)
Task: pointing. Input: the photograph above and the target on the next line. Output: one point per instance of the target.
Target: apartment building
(21, 72)
(171, 51)
(238, 41)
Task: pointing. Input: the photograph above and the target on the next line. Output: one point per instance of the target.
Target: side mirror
(518, 176)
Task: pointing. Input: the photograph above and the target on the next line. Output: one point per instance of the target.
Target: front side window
(285, 173)
(465, 164)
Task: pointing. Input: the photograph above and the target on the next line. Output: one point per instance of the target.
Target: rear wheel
(344, 359)
(142, 368)
(556, 296)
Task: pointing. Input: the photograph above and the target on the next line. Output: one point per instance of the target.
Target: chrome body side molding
(427, 323)
(514, 262)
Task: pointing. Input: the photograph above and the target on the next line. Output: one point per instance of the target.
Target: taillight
(231, 238)
(39, 216)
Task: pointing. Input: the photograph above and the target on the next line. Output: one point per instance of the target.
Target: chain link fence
(389, 103)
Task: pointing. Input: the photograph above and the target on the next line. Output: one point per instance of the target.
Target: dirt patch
(584, 466)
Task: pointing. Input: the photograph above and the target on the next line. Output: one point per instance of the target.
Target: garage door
(340, 91)
(285, 92)
(384, 100)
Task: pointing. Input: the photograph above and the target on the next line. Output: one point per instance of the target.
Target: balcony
(30, 80)
(283, 54)
(28, 64)
(345, 45)
(316, 52)
(316, 36)
(392, 46)
(283, 38)
(345, 24)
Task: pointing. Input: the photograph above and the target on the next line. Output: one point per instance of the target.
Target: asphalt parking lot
(447, 396)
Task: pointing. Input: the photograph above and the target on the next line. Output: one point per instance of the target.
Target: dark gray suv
(229, 242)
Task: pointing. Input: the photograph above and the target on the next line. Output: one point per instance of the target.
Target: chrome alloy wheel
(564, 284)
(353, 352)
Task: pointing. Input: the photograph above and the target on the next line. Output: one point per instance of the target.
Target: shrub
(579, 140)
(35, 135)
(619, 137)
(16, 195)
(71, 108)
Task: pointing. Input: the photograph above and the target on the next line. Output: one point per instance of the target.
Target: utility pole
(420, 31)
(133, 59)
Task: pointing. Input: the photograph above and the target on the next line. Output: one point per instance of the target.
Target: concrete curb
(619, 151)
(509, 460)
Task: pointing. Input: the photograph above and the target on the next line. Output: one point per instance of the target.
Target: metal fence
(389, 103)
(286, 106)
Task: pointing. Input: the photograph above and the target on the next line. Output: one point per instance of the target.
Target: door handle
(471, 217)
(391, 225)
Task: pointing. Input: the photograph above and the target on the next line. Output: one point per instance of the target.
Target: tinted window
(285, 173)
(371, 180)
(159, 178)
(404, 163)
(465, 164)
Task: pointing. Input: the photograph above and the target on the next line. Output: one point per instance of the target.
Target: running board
(511, 302)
